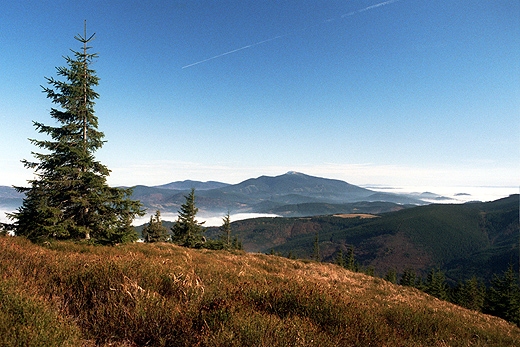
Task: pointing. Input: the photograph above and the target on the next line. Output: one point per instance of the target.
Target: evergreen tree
(236, 244)
(316, 248)
(225, 230)
(187, 231)
(391, 276)
(470, 294)
(69, 198)
(351, 261)
(370, 271)
(408, 278)
(503, 297)
(340, 259)
(436, 284)
(155, 231)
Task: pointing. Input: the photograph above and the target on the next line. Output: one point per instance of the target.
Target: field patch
(356, 215)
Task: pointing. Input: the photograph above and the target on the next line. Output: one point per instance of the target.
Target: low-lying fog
(209, 220)
(454, 195)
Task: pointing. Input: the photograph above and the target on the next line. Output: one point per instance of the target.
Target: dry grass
(356, 215)
(163, 295)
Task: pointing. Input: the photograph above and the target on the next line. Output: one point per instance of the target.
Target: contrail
(292, 33)
(369, 8)
(236, 50)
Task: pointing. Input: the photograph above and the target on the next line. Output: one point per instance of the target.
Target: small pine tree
(470, 294)
(503, 297)
(225, 229)
(436, 284)
(370, 271)
(236, 244)
(69, 198)
(187, 231)
(391, 276)
(409, 278)
(155, 231)
(340, 259)
(351, 261)
(316, 248)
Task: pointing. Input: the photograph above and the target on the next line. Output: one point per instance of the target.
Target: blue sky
(410, 92)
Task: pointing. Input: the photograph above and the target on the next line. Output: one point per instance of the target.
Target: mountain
(10, 198)
(463, 239)
(265, 193)
(188, 184)
(294, 193)
(298, 184)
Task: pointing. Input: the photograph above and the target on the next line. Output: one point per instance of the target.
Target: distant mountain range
(10, 199)
(290, 194)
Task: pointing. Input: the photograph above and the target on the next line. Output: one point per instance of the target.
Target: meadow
(70, 294)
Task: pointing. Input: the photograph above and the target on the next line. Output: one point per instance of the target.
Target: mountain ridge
(462, 239)
(257, 195)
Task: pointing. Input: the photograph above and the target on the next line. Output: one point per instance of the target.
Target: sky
(388, 93)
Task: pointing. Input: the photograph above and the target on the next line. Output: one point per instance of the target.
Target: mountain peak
(293, 173)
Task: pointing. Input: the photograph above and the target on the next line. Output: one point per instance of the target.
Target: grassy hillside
(66, 294)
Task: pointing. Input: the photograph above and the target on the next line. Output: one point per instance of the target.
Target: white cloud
(466, 174)
(3, 217)
(210, 220)
(156, 172)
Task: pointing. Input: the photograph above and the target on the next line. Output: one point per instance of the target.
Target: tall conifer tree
(69, 196)
(187, 231)
(225, 230)
(503, 297)
(436, 284)
(316, 255)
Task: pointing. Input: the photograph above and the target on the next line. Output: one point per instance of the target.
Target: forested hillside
(462, 239)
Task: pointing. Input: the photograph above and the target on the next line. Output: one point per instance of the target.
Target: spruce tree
(503, 297)
(69, 196)
(316, 248)
(470, 294)
(436, 284)
(155, 231)
(409, 278)
(340, 258)
(236, 244)
(187, 231)
(391, 276)
(351, 261)
(225, 230)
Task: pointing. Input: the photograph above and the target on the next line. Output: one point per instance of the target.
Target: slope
(465, 240)
(163, 295)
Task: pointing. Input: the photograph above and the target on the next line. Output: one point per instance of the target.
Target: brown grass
(356, 215)
(163, 295)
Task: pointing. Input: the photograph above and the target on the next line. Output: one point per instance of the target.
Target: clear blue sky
(410, 92)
